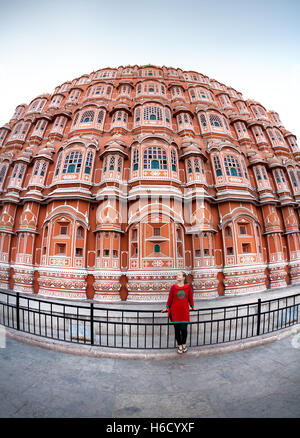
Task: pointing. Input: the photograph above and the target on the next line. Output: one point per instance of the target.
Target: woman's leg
(178, 333)
(183, 327)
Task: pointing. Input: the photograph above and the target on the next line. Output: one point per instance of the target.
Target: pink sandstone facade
(122, 177)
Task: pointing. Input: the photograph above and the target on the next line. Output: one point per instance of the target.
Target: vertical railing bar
(51, 318)
(107, 340)
(64, 319)
(122, 334)
(236, 322)
(92, 322)
(115, 337)
(198, 328)
(17, 310)
(247, 331)
(258, 316)
(39, 318)
(160, 336)
(137, 329)
(152, 329)
(224, 324)
(211, 326)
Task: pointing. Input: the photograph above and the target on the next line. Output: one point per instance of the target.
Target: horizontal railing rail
(112, 327)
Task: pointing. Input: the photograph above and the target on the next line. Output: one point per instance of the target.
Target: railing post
(92, 323)
(17, 310)
(258, 316)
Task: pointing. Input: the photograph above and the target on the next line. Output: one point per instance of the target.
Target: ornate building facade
(122, 177)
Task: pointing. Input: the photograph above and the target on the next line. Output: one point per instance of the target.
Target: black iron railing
(143, 329)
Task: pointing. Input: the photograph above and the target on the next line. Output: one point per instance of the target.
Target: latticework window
(167, 115)
(88, 163)
(232, 166)
(100, 117)
(136, 159)
(112, 163)
(87, 117)
(58, 164)
(293, 178)
(258, 174)
(72, 162)
(218, 167)
(152, 113)
(203, 120)
(155, 158)
(173, 160)
(2, 172)
(137, 114)
(215, 120)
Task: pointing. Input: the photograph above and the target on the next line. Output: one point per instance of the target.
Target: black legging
(180, 332)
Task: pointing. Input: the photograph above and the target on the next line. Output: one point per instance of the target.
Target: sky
(251, 45)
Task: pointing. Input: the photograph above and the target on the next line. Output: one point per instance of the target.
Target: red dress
(178, 303)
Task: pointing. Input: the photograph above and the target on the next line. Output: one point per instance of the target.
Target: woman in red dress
(180, 297)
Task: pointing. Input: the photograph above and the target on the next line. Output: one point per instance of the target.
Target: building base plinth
(277, 276)
(62, 284)
(23, 280)
(245, 281)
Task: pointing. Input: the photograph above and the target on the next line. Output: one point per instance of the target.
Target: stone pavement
(263, 381)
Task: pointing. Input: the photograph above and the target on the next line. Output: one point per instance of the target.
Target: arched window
(88, 163)
(72, 162)
(100, 116)
(217, 165)
(2, 172)
(156, 248)
(215, 120)
(293, 178)
(264, 173)
(79, 233)
(105, 164)
(257, 172)
(75, 119)
(43, 169)
(198, 165)
(152, 113)
(137, 114)
(155, 158)
(59, 123)
(136, 159)
(58, 164)
(112, 163)
(18, 173)
(87, 116)
(17, 128)
(119, 167)
(277, 177)
(168, 115)
(189, 166)
(232, 166)
(192, 93)
(203, 120)
(36, 168)
(228, 232)
(173, 160)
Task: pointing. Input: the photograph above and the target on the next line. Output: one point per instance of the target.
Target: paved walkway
(262, 381)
